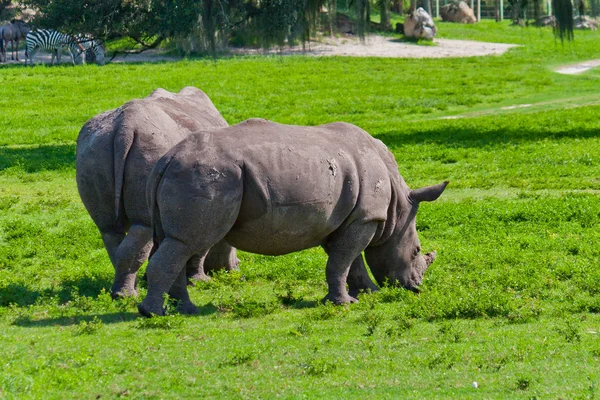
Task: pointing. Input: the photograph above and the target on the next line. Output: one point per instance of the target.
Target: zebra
(54, 41)
(94, 50)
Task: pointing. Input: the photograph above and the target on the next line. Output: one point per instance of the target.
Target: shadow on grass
(301, 304)
(38, 158)
(468, 134)
(110, 318)
(22, 295)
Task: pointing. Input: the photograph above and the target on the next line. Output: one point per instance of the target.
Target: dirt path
(533, 106)
(381, 46)
(578, 68)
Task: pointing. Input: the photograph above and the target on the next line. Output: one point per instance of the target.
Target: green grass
(512, 302)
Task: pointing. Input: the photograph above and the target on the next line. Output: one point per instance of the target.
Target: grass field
(512, 302)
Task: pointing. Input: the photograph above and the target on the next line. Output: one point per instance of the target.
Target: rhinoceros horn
(428, 193)
(430, 257)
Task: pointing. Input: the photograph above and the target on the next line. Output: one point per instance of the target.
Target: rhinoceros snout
(414, 289)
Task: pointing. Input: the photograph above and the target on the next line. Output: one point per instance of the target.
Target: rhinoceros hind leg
(165, 266)
(132, 253)
(112, 241)
(179, 292)
(358, 278)
(343, 247)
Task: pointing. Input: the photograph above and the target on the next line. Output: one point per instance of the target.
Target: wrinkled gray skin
(116, 151)
(274, 189)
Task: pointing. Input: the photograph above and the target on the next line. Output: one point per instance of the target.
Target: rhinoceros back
(300, 184)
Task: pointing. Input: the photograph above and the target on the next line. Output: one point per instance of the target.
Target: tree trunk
(385, 15)
(595, 8)
(497, 10)
(209, 27)
(331, 13)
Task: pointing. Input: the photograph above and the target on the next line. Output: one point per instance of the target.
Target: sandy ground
(578, 68)
(380, 46)
(373, 46)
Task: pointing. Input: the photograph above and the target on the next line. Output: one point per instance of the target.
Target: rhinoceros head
(399, 259)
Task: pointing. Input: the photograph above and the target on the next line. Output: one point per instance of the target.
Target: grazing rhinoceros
(116, 151)
(274, 189)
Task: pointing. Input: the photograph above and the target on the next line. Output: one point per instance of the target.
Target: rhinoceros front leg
(131, 254)
(195, 269)
(359, 279)
(221, 256)
(343, 247)
(166, 267)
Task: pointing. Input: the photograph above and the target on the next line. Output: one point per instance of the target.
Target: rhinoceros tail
(156, 175)
(121, 145)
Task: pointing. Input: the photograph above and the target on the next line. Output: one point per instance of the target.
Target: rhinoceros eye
(416, 251)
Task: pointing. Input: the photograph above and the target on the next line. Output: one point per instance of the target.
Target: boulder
(546, 20)
(419, 25)
(585, 22)
(457, 12)
(344, 24)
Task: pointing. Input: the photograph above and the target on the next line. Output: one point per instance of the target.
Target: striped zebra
(54, 41)
(94, 51)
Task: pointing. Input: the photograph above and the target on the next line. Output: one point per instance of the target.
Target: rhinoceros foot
(339, 299)
(123, 293)
(201, 276)
(149, 311)
(234, 266)
(355, 292)
(188, 308)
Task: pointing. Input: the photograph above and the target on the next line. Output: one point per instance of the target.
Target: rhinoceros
(274, 189)
(116, 151)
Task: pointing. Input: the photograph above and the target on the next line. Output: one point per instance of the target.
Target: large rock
(344, 24)
(419, 25)
(457, 12)
(546, 20)
(585, 22)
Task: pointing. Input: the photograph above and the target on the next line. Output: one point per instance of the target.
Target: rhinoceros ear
(429, 193)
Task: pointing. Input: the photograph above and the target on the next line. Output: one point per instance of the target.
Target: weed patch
(318, 366)
(166, 323)
(88, 327)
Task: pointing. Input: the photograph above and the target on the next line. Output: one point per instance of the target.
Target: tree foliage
(202, 24)
(7, 10)
(210, 24)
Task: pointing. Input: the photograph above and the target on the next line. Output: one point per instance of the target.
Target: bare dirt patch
(381, 46)
(575, 69)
